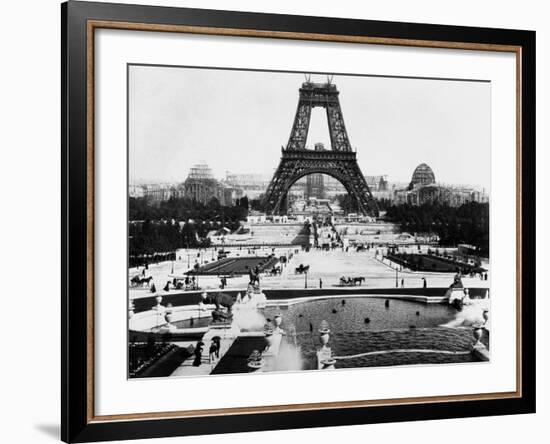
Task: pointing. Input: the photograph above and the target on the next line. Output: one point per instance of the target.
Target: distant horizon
(142, 181)
(139, 181)
(237, 121)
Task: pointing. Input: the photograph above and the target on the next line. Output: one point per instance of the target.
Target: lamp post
(396, 278)
(158, 308)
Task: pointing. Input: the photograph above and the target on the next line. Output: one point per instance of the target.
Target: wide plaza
(325, 270)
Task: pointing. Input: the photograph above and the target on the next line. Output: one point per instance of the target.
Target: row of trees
(183, 208)
(149, 237)
(178, 223)
(347, 203)
(468, 223)
(183, 223)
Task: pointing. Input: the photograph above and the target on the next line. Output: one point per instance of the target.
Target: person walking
(217, 340)
(402, 283)
(320, 283)
(198, 354)
(424, 283)
(213, 352)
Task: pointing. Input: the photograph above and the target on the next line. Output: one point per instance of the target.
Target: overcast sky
(238, 120)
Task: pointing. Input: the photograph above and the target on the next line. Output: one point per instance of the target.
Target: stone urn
(478, 328)
(324, 338)
(478, 334)
(324, 354)
(255, 362)
(268, 334)
(278, 319)
(324, 334)
(168, 316)
(159, 300)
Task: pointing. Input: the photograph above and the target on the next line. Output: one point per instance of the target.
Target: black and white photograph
(305, 221)
(277, 222)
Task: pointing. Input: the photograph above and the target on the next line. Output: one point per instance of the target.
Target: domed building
(201, 186)
(422, 176)
(423, 189)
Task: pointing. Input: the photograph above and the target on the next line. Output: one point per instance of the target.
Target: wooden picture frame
(79, 22)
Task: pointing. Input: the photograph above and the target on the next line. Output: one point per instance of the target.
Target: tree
(189, 235)
(155, 227)
(243, 202)
(468, 223)
(257, 204)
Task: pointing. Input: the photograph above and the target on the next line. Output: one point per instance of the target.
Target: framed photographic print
(276, 221)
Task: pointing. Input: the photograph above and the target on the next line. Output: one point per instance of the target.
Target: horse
(145, 281)
(358, 280)
(135, 281)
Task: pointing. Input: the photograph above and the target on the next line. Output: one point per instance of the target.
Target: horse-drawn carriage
(351, 281)
(275, 271)
(184, 283)
(140, 281)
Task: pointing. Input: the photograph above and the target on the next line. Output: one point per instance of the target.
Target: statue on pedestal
(219, 315)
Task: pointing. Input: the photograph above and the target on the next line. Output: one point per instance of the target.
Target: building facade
(315, 186)
(153, 192)
(250, 185)
(201, 186)
(424, 189)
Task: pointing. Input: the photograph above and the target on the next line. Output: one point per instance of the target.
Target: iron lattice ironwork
(339, 162)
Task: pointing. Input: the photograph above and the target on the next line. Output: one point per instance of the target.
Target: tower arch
(339, 162)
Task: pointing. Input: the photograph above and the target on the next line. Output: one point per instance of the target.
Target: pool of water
(363, 314)
(360, 325)
(193, 322)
